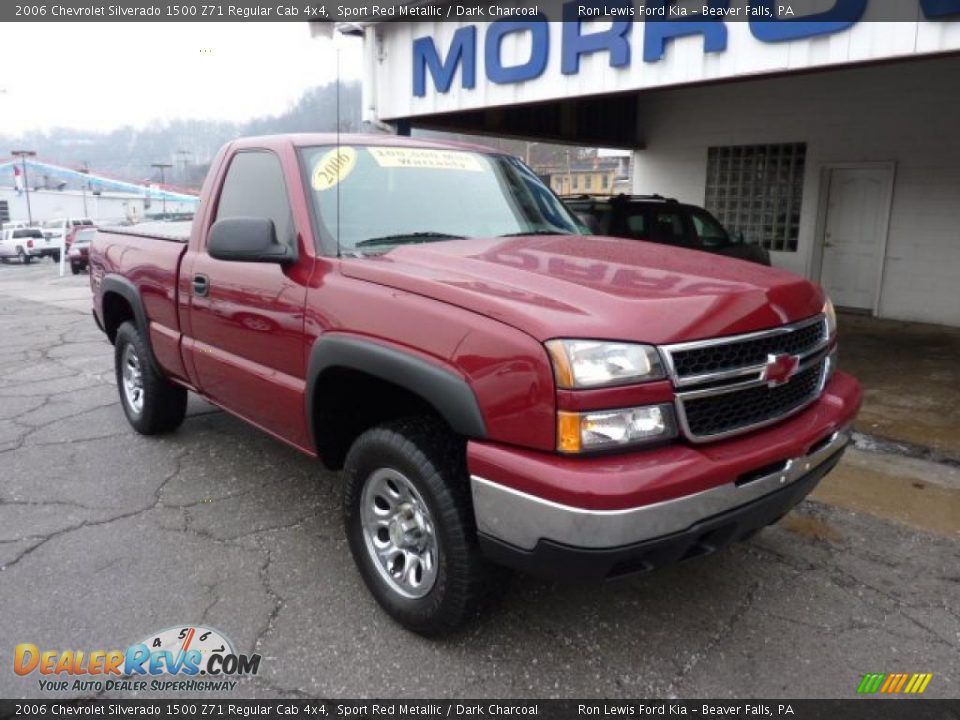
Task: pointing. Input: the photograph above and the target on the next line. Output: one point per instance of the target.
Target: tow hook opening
(762, 472)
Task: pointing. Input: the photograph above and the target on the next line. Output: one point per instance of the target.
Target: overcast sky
(100, 76)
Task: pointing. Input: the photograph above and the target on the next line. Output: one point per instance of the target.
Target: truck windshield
(368, 198)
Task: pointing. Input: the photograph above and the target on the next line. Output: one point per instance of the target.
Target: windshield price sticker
(333, 167)
(425, 158)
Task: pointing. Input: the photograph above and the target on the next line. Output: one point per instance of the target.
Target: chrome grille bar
(745, 382)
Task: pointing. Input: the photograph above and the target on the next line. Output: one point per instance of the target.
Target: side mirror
(247, 239)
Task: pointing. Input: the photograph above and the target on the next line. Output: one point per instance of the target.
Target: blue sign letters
(461, 55)
(824, 23)
(463, 49)
(656, 34)
(614, 40)
(534, 67)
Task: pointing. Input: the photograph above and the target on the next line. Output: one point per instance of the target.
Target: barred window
(758, 190)
(4, 211)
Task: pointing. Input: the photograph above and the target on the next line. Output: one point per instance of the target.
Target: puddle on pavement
(810, 527)
(923, 495)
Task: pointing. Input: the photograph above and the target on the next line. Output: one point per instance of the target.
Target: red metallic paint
(614, 482)
(597, 287)
(481, 308)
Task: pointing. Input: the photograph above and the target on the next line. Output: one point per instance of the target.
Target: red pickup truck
(499, 388)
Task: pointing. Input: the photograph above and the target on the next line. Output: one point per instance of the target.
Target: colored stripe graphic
(870, 683)
(894, 683)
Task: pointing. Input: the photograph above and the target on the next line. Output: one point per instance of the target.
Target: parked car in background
(21, 243)
(79, 251)
(74, 230)
(54, 230)
(662, 220)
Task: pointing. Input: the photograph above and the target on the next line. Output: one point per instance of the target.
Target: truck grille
(722, 384)
(758, 405)
(728, 355)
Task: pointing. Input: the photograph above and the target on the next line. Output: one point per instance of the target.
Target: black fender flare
(445, 390)
(128, 291)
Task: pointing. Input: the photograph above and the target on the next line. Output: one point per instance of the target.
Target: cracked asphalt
(107, 536)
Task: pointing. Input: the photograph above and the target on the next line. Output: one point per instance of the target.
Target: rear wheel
(74, 268)
(152, 404)
(24, 258)
(409, 522)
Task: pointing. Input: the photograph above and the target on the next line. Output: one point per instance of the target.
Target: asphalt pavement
(107, 537)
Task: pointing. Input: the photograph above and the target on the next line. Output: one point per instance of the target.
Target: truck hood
(596, 287)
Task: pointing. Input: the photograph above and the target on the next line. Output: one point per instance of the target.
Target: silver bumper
(523, 520)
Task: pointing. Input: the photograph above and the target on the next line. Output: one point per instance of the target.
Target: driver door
(246, 318)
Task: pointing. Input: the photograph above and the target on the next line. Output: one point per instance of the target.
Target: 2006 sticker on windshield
(425, 158)
(333, 167)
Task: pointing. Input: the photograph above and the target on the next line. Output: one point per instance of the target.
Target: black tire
(163, 405)
(75, 269)
(433, 461)
(24, 258)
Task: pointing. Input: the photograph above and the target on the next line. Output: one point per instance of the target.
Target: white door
(858, 208)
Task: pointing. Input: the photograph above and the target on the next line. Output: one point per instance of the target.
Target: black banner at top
(854, 709)
(366, 11)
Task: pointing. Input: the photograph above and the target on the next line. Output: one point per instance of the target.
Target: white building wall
(52, 204)
(907, 113)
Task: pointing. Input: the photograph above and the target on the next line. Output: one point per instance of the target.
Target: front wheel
(409, 522)
(152, 404)
(74, 268)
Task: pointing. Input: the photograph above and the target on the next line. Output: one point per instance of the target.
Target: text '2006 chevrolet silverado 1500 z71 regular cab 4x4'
(499, 389)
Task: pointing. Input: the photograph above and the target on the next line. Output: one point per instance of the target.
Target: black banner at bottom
(854, 709)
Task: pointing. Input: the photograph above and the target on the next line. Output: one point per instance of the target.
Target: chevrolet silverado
(498, 388)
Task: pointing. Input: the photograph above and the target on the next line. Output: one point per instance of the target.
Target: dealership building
(832, 139)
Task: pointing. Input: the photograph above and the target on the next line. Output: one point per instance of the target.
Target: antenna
(338, 147)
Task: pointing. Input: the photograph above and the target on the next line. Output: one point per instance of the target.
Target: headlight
(605, 429)
(831, 316)
(593, 363)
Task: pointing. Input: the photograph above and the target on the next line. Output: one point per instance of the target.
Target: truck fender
(446, 391)
(128, 291)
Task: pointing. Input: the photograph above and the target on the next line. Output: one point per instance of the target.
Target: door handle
(201, 284)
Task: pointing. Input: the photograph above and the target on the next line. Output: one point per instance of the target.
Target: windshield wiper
(407, 238)
(536, 232)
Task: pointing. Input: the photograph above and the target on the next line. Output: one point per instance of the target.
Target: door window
(667, 227)
(254, 187)
(710, 233)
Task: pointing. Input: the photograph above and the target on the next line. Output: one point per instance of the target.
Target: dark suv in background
(662, 220)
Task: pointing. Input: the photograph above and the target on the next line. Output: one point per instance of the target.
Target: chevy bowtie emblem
(779, 369)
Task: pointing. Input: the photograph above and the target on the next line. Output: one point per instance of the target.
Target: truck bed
(178, 231)
(148, 257)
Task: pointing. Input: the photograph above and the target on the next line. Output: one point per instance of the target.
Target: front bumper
(556, 560)
(537, 511)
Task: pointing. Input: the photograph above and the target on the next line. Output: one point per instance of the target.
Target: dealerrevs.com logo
(184, 658)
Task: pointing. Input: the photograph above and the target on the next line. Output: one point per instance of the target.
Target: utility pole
(23, 155)
(183, 165)
(85, 169)
(163, 197)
